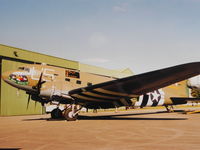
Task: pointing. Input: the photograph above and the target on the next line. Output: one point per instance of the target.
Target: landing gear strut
(169, 108)
(71, 112)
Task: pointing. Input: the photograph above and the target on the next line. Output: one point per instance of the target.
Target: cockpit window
(24, 69)
(27, 69)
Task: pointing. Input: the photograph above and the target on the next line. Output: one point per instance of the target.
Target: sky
(142, 35)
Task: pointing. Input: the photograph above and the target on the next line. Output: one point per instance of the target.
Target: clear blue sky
(143, 35)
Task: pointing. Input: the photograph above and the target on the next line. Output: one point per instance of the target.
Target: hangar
(13, 101)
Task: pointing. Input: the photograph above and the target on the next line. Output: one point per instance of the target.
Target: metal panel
(13, 101)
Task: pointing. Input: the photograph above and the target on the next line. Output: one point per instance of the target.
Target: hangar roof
(103, 71)
(17, 53)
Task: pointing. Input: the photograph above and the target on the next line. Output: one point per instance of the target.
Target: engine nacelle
(194, 82)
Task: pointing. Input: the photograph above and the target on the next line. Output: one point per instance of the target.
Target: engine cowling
(194, 82)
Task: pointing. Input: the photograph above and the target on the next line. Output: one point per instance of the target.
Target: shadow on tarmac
(10, 148)
(114, 117)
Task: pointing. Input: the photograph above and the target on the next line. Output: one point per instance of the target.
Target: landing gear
(70, 115)
(169, 108)
(71, 112)
(56, 114)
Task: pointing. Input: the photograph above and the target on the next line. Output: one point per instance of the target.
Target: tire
(56, 114)
(68, 114)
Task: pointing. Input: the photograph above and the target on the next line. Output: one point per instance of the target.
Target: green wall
(14, 101)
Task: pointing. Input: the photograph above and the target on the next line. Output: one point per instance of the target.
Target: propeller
(37, 88)
(39, 84)
(29, 98)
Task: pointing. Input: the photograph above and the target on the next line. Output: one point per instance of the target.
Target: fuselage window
(24, 69)
(67, 79)
(27, 69)
(78, 82)
(21, 68)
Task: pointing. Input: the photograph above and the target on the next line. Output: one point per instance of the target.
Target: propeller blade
(42, 103)
(39, 84)
(37, 87)
(29, 98)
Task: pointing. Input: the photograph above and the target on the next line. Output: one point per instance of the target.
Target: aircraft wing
(136, 85)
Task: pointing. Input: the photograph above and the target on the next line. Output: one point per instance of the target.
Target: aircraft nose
(5, 75)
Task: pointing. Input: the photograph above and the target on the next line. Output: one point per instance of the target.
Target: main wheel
(68, 114)
(56, 114)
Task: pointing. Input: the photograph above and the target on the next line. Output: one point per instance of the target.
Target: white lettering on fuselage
(22, 73)
(35, 74)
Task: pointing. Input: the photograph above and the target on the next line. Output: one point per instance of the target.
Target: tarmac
(140, 129)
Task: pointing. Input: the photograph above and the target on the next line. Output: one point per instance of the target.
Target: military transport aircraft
(75, 89)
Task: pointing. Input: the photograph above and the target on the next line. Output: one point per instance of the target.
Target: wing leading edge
(133, 86)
